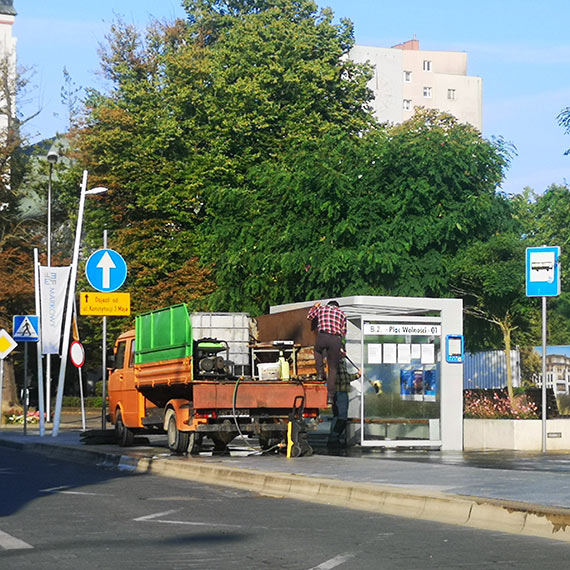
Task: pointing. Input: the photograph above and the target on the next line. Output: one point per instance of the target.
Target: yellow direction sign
(105, 304)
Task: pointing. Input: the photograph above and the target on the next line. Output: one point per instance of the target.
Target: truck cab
(127, 406)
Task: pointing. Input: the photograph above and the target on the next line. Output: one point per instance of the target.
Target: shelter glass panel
(401, 383)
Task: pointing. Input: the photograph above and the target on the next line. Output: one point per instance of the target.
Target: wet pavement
(527, 482)
(541, 479)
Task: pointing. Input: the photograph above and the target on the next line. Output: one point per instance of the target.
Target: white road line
(156, 515)
(83, 493)
(334, 562)
(53, 489)
(8, 542)
(62, 491)
(156, 518)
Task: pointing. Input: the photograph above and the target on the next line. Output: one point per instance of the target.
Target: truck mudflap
(252, 394)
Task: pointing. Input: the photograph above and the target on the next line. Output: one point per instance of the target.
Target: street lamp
(71, 298)
(52, 158)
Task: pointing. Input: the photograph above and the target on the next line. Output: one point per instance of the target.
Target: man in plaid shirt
(331, 326)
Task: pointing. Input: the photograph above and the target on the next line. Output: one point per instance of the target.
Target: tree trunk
(10, 398)
(507, 340)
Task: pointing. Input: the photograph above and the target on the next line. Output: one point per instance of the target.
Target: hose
(234, 414)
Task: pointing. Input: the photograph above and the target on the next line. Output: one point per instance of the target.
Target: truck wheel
(123, 434)
(178, 441)
(194, 442)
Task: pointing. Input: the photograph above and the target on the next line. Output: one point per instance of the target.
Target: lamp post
(71, 299)
(52, 158)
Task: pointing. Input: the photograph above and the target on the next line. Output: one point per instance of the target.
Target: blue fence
(489, 369)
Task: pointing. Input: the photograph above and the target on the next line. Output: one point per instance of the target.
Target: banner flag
(53, 285)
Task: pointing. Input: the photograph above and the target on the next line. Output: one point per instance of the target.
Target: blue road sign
(106, 270)
(542, 271)
(26, 328)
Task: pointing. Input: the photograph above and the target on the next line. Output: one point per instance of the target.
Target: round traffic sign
(77, 354)
(106, 270)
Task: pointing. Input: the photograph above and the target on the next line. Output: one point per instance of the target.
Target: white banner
(53, 285)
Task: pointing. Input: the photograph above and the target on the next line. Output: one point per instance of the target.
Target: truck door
(122, 392)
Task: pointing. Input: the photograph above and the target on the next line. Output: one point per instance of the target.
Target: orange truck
(168, 377)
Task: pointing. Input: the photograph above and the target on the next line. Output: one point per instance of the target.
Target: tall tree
(197, 111)
(490, 277)
(18, 232)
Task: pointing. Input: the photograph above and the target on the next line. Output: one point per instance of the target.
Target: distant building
(557, 373)
(7, 57)
(406, 77)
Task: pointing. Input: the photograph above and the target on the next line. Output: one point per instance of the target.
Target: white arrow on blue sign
(106, 270)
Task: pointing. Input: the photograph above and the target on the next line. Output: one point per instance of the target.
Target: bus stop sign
(542, 271)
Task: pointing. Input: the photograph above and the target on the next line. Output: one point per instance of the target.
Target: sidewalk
(503, 491)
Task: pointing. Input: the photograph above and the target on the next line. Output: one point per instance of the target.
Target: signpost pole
(543, 280)
(7, 345)
(544, 328)
(1, 387)
(25, 388)
(104, 358)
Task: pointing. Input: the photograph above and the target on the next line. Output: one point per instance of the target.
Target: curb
(481, 513)
(475, 512)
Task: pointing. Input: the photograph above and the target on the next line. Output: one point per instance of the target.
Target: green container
(163, 334)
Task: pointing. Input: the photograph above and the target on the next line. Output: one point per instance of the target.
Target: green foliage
(427, 189)
(564, 121)
(490, 277)
(89, 402)
(246, 169)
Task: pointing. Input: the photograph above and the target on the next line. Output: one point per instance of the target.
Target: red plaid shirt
(330, 319)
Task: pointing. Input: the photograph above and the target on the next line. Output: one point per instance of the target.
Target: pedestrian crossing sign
(26, 328)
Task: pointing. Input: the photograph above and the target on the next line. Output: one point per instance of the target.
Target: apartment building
(7, 55)
(406, 77)
(557, 373)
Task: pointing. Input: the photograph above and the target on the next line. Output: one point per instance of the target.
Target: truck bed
(162, 381)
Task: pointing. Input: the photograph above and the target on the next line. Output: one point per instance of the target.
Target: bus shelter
(410, 350)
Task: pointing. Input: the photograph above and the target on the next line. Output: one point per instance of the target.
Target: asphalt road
(60, 515)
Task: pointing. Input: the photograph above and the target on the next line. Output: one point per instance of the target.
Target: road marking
(156, 515)
(8, 542)
(53, 489)
(156, 518)
(62, 491)
(334, 562)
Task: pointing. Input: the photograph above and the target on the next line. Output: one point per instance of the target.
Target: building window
(407, 105)
(427, 65)
(427, 92)
(407, 76)
(451, 94)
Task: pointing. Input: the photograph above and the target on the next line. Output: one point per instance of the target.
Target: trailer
(171, 374)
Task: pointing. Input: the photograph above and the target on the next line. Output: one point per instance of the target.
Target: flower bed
(17, 417)
(497, 406)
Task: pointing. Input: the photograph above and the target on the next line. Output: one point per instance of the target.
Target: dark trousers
(340, 418)
(331, 343)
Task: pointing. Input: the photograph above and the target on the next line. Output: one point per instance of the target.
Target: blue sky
(521, 49)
